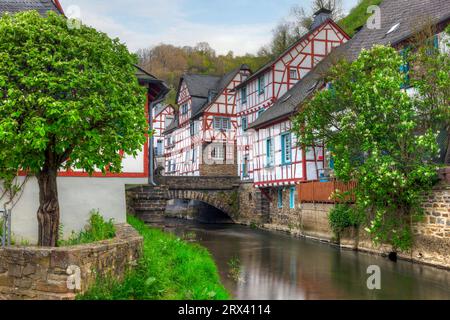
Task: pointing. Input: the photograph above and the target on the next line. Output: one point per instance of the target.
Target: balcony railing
(323, 192)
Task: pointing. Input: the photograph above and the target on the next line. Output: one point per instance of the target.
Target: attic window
(394, 28)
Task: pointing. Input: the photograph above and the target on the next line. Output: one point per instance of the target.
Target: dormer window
(211, 95)
(293, 74)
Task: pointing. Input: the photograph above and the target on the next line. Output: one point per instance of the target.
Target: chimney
(320, 17)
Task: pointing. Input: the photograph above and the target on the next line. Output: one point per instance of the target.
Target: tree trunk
(48, 213)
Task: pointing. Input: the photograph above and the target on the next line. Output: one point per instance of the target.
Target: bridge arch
(219, 202)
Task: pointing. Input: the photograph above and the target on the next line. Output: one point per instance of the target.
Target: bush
(343, 216)
(97, 230)
(170, 269)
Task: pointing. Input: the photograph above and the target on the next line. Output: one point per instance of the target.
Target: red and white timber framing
(304, 164)
(161, 120)
(185, 146)
(279, 77)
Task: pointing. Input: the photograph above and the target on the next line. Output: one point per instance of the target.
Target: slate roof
(14, 6)
(406, 12)
(200, 86)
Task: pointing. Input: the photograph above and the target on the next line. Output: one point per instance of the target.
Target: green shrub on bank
(97, 230)
(342, 217)
(170, 269)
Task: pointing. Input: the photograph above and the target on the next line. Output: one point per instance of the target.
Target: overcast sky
(238, 25)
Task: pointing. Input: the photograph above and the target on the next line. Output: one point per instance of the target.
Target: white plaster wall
(77, 198)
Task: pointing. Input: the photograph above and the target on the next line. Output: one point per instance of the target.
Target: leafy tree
(68, 98)
(376, 132)
(430, 76)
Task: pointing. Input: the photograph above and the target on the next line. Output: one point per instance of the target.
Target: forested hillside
(169, 62)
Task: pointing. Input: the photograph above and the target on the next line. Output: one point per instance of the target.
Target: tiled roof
(406, 13)
(14, 6)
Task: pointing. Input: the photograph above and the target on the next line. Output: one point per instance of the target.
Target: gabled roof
(303, 38)
(200, 87)
(406, 13)
(42, 6)
(161, 107)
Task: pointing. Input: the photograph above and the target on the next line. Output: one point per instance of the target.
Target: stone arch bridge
(149, 202)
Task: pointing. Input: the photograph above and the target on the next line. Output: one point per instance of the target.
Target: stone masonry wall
(211, 170)
(52, 273)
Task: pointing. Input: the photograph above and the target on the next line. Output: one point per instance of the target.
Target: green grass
(170, 269)
(357, 17)
(97, 230)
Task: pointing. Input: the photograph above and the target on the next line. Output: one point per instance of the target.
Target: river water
(258, 264)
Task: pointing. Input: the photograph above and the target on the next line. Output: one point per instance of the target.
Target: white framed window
(218, 153)
(270, 152)
(184, 109)
(244, 95)
(222, 123)
(293, 73)
(167, 121)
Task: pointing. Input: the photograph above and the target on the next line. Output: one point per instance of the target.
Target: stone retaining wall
(62, 273)
(432, 236)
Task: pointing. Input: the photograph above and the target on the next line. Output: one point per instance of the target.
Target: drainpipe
(151, 164)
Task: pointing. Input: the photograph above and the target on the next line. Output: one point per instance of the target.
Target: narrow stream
(257, 264)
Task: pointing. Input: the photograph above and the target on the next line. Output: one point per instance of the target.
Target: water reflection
(280, 267)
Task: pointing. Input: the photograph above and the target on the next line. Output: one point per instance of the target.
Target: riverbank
(171, 269)
(274, 265)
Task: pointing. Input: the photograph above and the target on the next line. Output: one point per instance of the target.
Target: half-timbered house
(271, 159)
(202, 139)
(278, 159)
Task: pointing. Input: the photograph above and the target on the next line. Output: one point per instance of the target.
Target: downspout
(151, 164)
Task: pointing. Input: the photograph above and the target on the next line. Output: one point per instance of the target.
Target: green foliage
(67, 96)
(344, 216)
(170, 269)
(97, 230)
(357, 17)
(430, 76)
(377, 133)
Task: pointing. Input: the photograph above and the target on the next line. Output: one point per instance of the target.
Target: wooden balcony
(322, 192)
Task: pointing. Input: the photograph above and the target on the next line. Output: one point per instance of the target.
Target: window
(184, 108)
(194, 155)
(187, 158)
(269, 152)
(245, 167)
(280, 198)
(167, 121)
(159, 148)
(261, 84)
(244, 122)
(260, 112)
(211, 95)
(194, 128)
(169, 141)
(244, 95)
(218, 153)
(221, 123)
(293, 74)
(292, 197)
(286, 148)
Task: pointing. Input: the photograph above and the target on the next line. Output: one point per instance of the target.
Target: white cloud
(146, 23)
